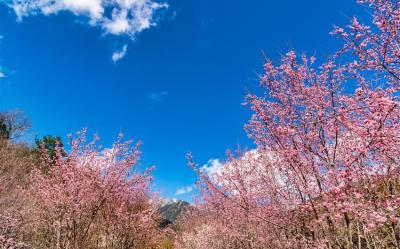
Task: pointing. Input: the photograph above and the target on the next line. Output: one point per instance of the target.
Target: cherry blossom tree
(94, 197)
(325, 173)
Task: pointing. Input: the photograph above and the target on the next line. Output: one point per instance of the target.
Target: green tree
(50, 143)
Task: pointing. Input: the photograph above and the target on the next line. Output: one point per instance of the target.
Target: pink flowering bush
(325, 173)
(93, 197)
(83, 196)
(10, 232)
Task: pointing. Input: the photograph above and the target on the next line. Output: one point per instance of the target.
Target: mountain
(171, 209)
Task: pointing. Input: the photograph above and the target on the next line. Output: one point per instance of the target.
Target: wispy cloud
(2, 75)
(118, 55)
(206, 22)
(185, 190)
(212, 168)
(114, 17)
(158, 97)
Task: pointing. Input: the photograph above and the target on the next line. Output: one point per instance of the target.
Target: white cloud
(91, 8)
(158, 97)
(115, 17)
(118, 55)
(127, 16)
(249, 170)
(185, 190)
(212, 168)
(119, 23)
(2, 75)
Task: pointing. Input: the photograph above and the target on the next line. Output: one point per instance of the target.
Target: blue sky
(178, 85)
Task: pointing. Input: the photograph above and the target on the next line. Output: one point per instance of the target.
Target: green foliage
(50, 143)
